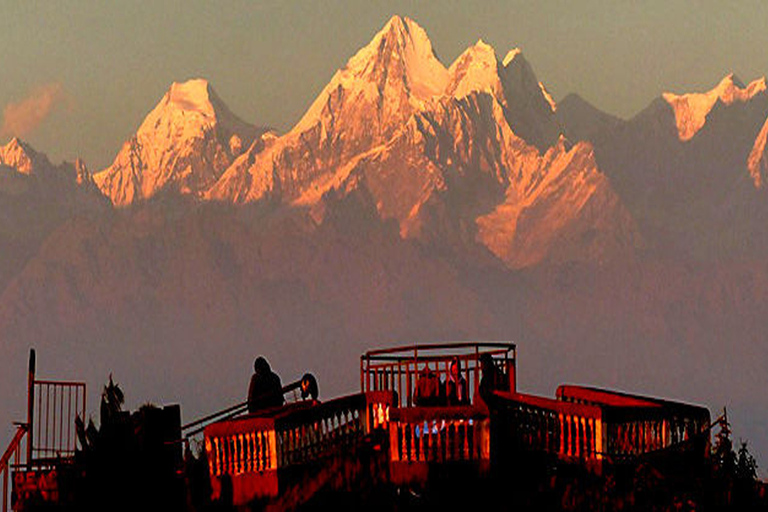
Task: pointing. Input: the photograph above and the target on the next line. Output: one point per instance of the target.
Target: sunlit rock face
(757, 163)
(363, 106)
(434, 148)
(183, 146)
(28, 173)
(687, 167)
(395, 77)
(691, 109)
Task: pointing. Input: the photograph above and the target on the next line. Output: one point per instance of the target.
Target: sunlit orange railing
(636, 425)
(570, 431)
(439, 434)
(255, 446)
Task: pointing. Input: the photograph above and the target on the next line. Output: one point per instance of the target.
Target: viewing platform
(424, 415)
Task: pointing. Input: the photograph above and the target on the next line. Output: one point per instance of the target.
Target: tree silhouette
(746, 466)
(723, 456)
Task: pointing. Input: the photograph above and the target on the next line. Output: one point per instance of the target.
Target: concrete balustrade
(251, 451)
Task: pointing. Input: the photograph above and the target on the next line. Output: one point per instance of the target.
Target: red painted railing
(569, 431)
(57, 405)
(420, 437)
(11, 458)
(250, 452)
(636, 425)
(592, 425)
(398, 368)
(49, 434)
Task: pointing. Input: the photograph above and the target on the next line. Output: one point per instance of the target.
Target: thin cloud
(23, 117)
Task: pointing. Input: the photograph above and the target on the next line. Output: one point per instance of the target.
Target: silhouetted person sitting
(266, 389)
(456, 385)
(493, 378)
(427, 392)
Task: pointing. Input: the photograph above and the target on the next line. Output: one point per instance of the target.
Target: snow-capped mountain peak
(691, 109)
(475, 70)
(402, 38)
(194, 95)
(20, 156)
(397, 72)
(188, 108)
(184, 143)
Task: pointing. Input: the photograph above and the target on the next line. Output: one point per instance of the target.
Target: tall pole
(30, 406)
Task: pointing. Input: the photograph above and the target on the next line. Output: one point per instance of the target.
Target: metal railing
(49, 434)
(592, 427)
(58, 403)
(636, 425)
(569, 431)
(307, 385)
(398, 368)
(11, 458)
(439, 434)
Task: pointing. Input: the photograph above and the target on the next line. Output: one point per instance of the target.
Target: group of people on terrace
(431, 391)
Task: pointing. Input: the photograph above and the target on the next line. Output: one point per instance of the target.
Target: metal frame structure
(49, 435)
(397, 368)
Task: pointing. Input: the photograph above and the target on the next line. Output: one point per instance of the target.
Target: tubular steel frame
(397, 368)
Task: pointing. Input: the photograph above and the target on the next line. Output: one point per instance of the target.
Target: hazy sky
(77, 77)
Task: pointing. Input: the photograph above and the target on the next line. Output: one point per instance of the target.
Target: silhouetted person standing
(456, 385)
(493, 378)
(266, 389)
(427, 390)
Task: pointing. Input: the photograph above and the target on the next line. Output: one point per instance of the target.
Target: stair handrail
(11, 451)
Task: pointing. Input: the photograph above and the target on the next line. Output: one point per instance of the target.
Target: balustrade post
(215, 457)
(636, 443)
(430, 444)
(579, 436)
(627, 427)
(421, 443)
(484, 429)
(646, 436)
(599, 438)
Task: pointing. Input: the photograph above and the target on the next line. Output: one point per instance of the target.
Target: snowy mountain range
(476, 152)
